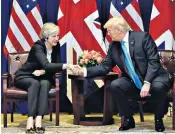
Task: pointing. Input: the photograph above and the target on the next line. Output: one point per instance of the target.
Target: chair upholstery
(12, 94)
(167, 59)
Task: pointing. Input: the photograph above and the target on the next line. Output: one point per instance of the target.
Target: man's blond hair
(117, 22)
(48, 29)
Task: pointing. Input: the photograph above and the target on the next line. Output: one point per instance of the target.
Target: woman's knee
(35, 83)
(33, 88)
(45, 85)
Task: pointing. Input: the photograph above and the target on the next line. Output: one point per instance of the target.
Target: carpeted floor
(67, 127)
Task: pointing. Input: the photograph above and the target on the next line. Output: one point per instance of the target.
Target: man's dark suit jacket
(37, 59)
(144, 56)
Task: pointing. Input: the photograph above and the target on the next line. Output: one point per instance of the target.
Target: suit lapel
(121, 57)
(131, 44)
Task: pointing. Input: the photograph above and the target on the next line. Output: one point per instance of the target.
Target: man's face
(114, 33)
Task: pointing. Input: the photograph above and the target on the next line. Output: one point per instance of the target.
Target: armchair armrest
(57, 75)
(5, 77)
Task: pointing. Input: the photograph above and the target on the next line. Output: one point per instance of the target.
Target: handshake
(76, 69)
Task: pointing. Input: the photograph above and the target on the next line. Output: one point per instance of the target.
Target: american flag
(130, 11)
(24, 26)
(162, 25)
(79, 30)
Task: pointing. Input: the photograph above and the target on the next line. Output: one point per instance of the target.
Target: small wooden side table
(78, 102)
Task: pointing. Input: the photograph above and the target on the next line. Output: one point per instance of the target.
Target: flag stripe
(16, 43)
(135, 5)
(23, 30)
(113, 11)
(18, 35)
(35, 19)
(37, 15)
(5, 51)
(135, 15)
(34, 23)
(8, 46)
(74, 57)
(131, 16)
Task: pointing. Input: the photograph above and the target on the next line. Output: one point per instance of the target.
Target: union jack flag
(162, 25)
(24, 26)
(79, 29)
(77, 22)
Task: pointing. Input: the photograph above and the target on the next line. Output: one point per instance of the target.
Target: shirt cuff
(147, 82)
(64, 66)
(85, 72)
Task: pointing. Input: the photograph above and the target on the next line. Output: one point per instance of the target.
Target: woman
(36, 75)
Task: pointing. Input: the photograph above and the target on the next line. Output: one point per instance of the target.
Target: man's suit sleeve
(152, 57)
(43, 61)
(103, 68)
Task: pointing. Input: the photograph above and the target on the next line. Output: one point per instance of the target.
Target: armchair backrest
(15, 61)
(167, 59)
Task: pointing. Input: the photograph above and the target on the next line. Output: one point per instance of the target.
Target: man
(135, 53)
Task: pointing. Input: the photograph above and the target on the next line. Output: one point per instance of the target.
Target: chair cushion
(14, 92)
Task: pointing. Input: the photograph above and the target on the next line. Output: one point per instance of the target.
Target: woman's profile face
(53, 39)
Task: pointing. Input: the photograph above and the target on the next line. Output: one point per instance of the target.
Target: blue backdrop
(49, 10)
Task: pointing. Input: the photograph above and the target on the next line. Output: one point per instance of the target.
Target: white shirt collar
(126, 37)
(49, 51)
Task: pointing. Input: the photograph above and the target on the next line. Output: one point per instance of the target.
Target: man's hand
(38, 72)
(80, 72)
(76, 69)
(145, 90)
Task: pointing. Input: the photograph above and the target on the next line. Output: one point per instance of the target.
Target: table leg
(81, 101)
(108, 107)
(75, 103)
(78, 102)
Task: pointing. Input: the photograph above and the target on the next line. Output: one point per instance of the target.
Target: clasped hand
(145, 90)
(38, 72)
(76, 69)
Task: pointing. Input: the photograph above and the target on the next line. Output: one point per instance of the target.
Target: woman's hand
(76, 69)
(38, 72)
